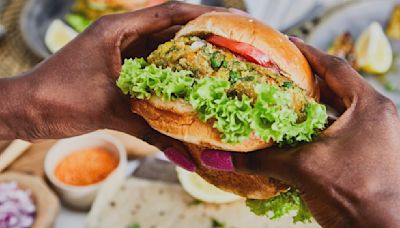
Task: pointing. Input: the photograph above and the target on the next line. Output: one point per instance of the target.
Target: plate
(36, 17)
(355, 17)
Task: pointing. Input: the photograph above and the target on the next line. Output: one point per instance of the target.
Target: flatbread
(154, 204)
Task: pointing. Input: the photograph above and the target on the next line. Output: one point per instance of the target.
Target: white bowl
(81, 197)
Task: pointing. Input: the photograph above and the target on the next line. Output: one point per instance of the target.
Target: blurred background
(141, 188)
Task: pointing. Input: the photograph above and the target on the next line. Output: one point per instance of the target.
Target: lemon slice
(200, 189)
(58, 35)
(373, 50)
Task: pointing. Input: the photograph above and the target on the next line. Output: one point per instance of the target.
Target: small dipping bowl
(81, 197)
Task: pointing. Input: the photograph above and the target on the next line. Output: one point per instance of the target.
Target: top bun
(273, 43)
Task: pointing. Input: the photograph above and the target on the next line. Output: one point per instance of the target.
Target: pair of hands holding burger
(224, 83)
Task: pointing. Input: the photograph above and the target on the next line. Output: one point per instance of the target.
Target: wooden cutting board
(31, 162)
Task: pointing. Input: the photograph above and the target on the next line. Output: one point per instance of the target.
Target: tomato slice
(247, 51)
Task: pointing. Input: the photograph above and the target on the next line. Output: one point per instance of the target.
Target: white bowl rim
(96, 134)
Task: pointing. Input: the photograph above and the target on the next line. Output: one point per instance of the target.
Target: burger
(227, 82)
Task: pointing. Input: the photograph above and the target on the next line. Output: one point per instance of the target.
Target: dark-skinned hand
(74, 91)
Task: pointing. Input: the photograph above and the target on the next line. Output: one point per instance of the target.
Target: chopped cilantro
(248, 78)
(234, 76)
(287, 84)
(134, 225)
(217, 224)
(216, 60)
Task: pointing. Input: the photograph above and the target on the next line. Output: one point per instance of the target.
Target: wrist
(17, 102)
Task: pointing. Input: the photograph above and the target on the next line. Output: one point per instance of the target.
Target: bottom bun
(249, 186)
(178, 120)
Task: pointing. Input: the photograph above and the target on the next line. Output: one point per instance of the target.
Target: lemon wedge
(200, 189)
(373, 50)
(58, 35)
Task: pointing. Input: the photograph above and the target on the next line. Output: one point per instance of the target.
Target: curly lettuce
(271, 116)
(141, 80)
(283, 204)
(231, 116)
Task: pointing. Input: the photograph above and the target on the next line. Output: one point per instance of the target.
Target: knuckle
(378, 108)
(173, 5)
(104, 21)
(386, 105)
(337, 63)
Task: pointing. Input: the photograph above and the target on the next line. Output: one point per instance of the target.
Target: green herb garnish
(216, 60)
(234, 76)
(134, 225)
(217, 224)
(287, 84)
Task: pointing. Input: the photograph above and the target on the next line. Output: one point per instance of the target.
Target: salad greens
(281, 205)
(270, 116)
(77, 22)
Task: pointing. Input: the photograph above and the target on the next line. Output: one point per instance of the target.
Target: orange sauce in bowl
(86, 167)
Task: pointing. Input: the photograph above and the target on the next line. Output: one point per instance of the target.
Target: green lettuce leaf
(232, 116)
(77, 22)
(270, 117)
(281, 205)
(141, 80)
(273, 117)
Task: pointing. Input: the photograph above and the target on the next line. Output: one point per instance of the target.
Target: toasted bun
(249, 186)
(178, 120)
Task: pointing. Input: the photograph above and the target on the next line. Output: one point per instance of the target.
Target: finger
(162, 37)
(155, 19)
(339, 76)
(173, 149)
(329, 97)
(272, 162)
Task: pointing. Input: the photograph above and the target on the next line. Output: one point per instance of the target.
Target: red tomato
(247, 51)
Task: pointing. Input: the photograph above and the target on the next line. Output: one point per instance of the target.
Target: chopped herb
(195, 202)
(248, 78)
(217, 224)
(234, 76)
(225, 64)
(287, 84)
(216, 60)
(134, 225)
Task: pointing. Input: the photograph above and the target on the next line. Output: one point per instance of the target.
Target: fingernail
(296, 39)
(217, 159)
(238, 11)
(179, 159)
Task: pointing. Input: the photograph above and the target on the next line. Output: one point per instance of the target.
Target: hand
(74, 91)
(349, 175)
